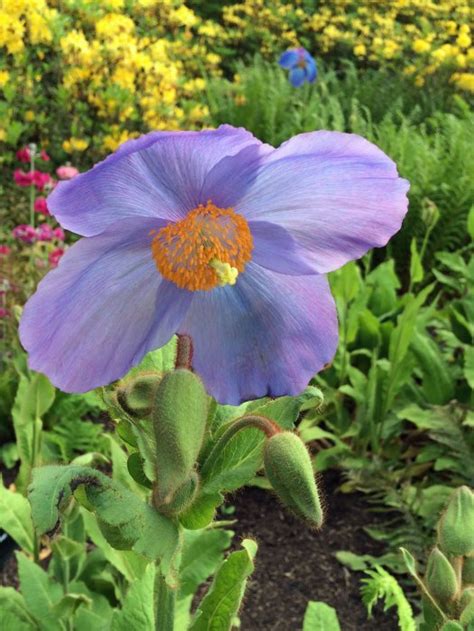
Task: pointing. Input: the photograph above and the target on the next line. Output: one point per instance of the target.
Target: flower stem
(184, 352)
(165, 601)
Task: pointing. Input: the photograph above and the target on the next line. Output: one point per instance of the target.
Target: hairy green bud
(467, 615)
(136, 396)
(289, 469)
(456, 526)
(440, 578)
(467, 597)
(183, 497)
(179, 421)
(468, 570)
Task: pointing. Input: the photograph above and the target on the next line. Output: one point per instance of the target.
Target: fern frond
(381, 584)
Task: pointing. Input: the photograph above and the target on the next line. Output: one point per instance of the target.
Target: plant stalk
(165, 602)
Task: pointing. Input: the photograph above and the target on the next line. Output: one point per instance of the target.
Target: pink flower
(23, 155)
(24, 233)
(23, 179)
(66, 172)
(40, 179)
(5, 250)
(41, 206)
(59, 234)
(4, 313)
(44, 156)
(44, 232)
(55, 256)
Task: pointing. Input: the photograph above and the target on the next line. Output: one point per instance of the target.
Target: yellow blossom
(4, 76)
(421, 46)
(75, 144)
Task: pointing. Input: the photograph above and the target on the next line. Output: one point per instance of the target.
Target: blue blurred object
(301, 65)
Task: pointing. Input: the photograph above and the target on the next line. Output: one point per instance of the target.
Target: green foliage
(15, 518)
(124, 519)
(448, 599)
(320, 617)
(221, 603)
(34, 397)
(290, 472)
(381, 585)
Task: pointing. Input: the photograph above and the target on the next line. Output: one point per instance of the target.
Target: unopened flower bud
(467, 597)
(136, 396)
(183, 497)
(179, 420)
(456, 526)
(290, 472)
(467, 615)
(440, 578)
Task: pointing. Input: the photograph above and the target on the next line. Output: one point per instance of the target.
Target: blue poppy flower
(214, 235)
(301, 65)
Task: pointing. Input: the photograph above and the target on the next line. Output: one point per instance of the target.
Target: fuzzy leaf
(125, 520)
(203, 550)
(137, 610)
(221, 603)
(40, 592)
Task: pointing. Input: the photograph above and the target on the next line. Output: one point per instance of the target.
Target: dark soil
(295, 564)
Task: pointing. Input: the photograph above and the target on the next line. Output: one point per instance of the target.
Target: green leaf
(203, 550)
(222, 602)
(320, 617)
(416, 267)
(438, 382)
(127, 562)
(14, 613)
(40, 592)
(137, 611)
(410, 562)
(242, 456)
(355, 562)
(125, 520)
(470, 222)
(469, 365)
(34, 397)
(15, 518)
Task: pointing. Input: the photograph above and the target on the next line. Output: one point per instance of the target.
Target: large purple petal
(266, 335)
(159, 175)
(101, 310)
(227, 182)
(337, 194)
(275, 249)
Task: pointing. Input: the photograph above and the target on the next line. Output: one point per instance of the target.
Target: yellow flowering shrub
(89, 74)
(420, 38)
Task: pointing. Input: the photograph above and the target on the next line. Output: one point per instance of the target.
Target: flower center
(206, 249)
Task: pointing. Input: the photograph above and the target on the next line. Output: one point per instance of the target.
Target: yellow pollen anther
(227, 275)
(206, 249)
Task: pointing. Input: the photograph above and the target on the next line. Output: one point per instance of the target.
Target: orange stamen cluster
(185, 251)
